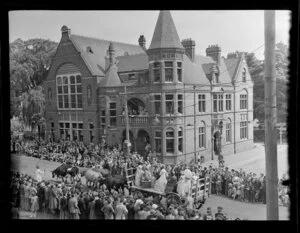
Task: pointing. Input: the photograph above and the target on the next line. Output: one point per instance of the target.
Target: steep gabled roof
(193, 73)
(132, 62)
(111, 78)
(95, 59)
(232, 65)
(165, 34)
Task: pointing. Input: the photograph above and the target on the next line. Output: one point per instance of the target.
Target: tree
(256, 69)
(29, 63)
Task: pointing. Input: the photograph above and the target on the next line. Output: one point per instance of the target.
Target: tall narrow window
(156, 71)
(52, 131)
(180, 139)
(157, 104)
(158, 141)
(243, 101)
(91, 131)
(215, 102)
(201, 103)
(180, 103)
(69, 93)
(113, 114)
(244, 75)
(244, 126)
(228, 102)
(220, 96)
(202, 141)
(169, 71)
(169, 104)
(228, 131)
(179, 71)
(170, 140)
(80, 129)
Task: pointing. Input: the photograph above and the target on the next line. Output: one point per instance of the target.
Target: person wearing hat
(208, 216)
(219, 215)
(138, 175)
(120, 210)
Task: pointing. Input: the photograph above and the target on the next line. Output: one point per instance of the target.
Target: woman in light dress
(161, 182)
(138, 175)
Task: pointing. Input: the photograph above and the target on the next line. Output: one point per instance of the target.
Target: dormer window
(89, 50)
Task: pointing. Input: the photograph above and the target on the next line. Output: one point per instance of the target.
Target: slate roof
(96, 60)
(193, 73)
(135, 62)
(232, 65)
(165, 34)
(111, 78)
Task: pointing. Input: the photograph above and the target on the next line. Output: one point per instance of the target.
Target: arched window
(170, 140)
(202, 135)
(68, 83)
(228, 130)
(244, 75)
(180, 139)
(244, 99)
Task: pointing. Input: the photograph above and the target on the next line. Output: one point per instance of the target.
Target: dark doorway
(142, 140)
(136, 106)
(217, 143)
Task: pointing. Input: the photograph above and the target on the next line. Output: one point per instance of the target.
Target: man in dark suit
(73, 207)
(41, 196)
(81, 206)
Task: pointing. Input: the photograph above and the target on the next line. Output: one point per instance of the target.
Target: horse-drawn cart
(139, 192)
(200, 190)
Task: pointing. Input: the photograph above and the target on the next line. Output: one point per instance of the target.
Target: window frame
(66, 91)
(156, 139)
(156, 69)
(244, 101)
(170, 139)
(201, 103)
(202, 136)
(113, 117)
(171, 69)
(168, 102)
(228, 102)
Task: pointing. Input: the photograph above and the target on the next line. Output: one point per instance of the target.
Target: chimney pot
(189, 46)
(142, 41)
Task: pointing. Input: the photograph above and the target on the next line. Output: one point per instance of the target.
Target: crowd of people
(61, 201)
(237, 185)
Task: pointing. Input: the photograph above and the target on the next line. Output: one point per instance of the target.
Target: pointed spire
(165, 34)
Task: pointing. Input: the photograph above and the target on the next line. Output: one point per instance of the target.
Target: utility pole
(126, 121)
(270, 118)
(195, 141)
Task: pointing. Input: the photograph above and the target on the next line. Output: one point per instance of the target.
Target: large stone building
(180, 103)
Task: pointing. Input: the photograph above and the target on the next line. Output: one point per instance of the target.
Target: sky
(231, 30)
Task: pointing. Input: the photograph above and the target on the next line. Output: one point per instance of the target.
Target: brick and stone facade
(179, 101)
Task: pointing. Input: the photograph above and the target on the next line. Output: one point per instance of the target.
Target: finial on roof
(111, 47)
(65, 31)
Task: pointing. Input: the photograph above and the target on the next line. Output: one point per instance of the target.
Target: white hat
(139, 201)
(154, 206)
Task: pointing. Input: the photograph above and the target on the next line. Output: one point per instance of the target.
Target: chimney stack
(65, 32)
(189, 46)
(214, 51)
(142, 42)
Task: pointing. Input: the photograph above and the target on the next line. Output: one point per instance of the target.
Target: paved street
(252, 160)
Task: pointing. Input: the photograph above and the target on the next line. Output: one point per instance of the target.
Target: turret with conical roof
(165, 33)
(165, 52)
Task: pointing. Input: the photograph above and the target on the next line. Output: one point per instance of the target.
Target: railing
(135, 120)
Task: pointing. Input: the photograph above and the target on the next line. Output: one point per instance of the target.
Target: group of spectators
(243, 186)
(54, 198)
(60, 201)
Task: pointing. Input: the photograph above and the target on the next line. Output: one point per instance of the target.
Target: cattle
(92, 177)
(116, 182)
(65, 169)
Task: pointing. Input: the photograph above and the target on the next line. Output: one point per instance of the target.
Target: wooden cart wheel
(137, 194)
(173, 198)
